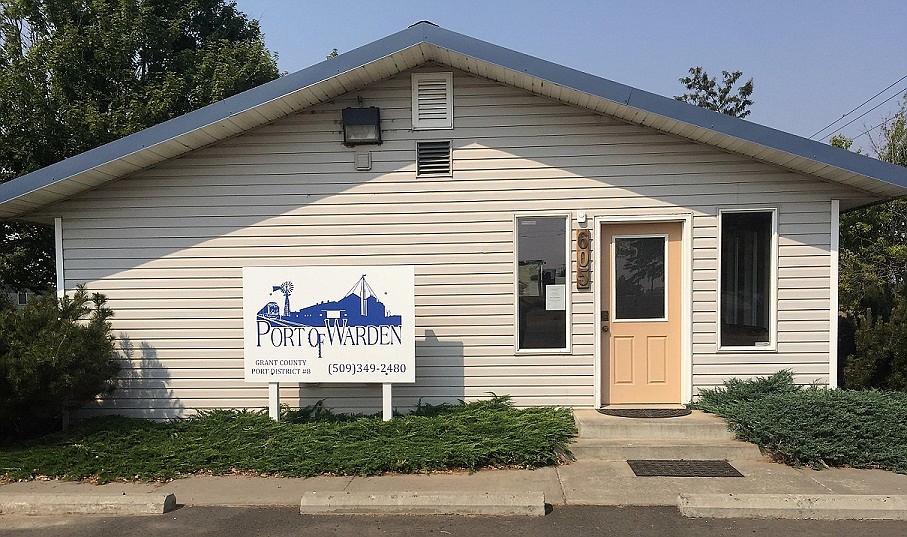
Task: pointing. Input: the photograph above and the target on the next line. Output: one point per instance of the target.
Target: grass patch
(309, 442)
(815, 426)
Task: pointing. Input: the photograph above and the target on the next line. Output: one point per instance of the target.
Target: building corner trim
(833, 294)
(58, 248)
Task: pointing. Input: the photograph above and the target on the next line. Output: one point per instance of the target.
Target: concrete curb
(84, 504)
(424, 503)
(794, 506)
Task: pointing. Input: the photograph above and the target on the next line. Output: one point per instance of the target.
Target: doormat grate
(682, 468)
(645, 412)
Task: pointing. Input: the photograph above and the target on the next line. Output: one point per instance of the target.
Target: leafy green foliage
(467, 436)
(27, 255)
(705, 92)
(873, 278)
(75, 74)
(879, 359)
(815, 426)
(54, 355)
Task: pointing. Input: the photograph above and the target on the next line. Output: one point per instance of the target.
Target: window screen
(746, 274)
(542, 282)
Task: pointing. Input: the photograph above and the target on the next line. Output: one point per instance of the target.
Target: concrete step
(697, 426)
(624, 449)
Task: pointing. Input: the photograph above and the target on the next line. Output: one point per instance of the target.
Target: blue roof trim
(209, 114)
(671, 108)
(468, 46)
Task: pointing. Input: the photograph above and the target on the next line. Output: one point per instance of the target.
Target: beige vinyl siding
(167, 244)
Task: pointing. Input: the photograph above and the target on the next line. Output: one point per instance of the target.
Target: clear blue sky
(812, 61)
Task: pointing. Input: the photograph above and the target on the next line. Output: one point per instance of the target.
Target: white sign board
(329, 324)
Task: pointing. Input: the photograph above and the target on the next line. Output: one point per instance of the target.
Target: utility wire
(867, 131)
(857, 108)
(864, 113)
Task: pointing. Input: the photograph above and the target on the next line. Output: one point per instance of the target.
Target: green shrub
(461, 436)
(815, 426)
(879, 358)
(54, 356)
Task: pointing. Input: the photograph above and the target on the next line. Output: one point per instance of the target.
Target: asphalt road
(598, 521)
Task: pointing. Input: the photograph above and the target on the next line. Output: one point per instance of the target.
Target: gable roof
(414, 46)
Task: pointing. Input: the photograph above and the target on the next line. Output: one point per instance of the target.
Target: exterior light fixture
(361, 126)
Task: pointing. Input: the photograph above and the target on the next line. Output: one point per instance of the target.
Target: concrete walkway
(578, 483)
(600, 476)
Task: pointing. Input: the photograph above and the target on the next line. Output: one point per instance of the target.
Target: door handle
(605, 327)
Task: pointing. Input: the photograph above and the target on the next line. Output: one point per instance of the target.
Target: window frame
(772, 346)
(19, 298)
(568, 242)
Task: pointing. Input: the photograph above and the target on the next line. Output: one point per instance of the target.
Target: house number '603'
(583, 251)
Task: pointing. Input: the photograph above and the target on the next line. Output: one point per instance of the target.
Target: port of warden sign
(329, 324)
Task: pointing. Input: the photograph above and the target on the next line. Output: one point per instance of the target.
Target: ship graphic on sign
(359, 307)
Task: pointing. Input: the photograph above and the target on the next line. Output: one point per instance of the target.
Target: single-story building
(18, 297)
(574, 241)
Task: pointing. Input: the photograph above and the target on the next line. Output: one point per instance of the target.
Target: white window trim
(772, 347)
(613, 283)
(568, 226)
(447, 78)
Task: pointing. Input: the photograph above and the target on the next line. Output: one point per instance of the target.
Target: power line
(863, 114)
(870, 129)
(857, 108)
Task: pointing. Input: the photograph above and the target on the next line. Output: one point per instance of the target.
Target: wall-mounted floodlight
(361, 126)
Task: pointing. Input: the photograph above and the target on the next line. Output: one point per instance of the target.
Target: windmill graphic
(286, 288)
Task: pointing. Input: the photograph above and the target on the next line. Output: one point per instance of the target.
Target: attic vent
(432, 158)
(432, 100)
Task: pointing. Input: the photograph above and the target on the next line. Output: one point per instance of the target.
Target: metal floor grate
(645, 412)
(683, 468)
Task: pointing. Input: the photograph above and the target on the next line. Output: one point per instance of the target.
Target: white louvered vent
(432, 100)
(433, 158)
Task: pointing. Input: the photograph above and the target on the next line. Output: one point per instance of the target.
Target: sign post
(353, 324)
(387, 411)
(274, 400)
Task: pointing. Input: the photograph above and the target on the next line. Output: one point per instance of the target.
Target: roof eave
(410, 48)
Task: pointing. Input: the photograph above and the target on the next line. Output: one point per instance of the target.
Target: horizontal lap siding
(167, 245)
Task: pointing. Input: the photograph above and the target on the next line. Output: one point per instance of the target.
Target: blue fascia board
(209, 114)
(481, 50)
(672, 108)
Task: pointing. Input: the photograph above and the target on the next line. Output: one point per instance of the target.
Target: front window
(747, 246)
(542, 282)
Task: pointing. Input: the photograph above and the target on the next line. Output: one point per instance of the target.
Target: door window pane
(746, 266)
(542, 282)
(639, 277)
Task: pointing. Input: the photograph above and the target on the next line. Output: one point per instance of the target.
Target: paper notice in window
(555, 297)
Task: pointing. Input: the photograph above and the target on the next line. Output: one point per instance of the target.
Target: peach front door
(641, 310)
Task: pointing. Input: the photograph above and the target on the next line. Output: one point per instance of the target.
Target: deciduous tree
(706, 92)
(873, 277)
(75, 74)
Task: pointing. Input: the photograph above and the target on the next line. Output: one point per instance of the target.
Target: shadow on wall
(142, 389)
(439, 371)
